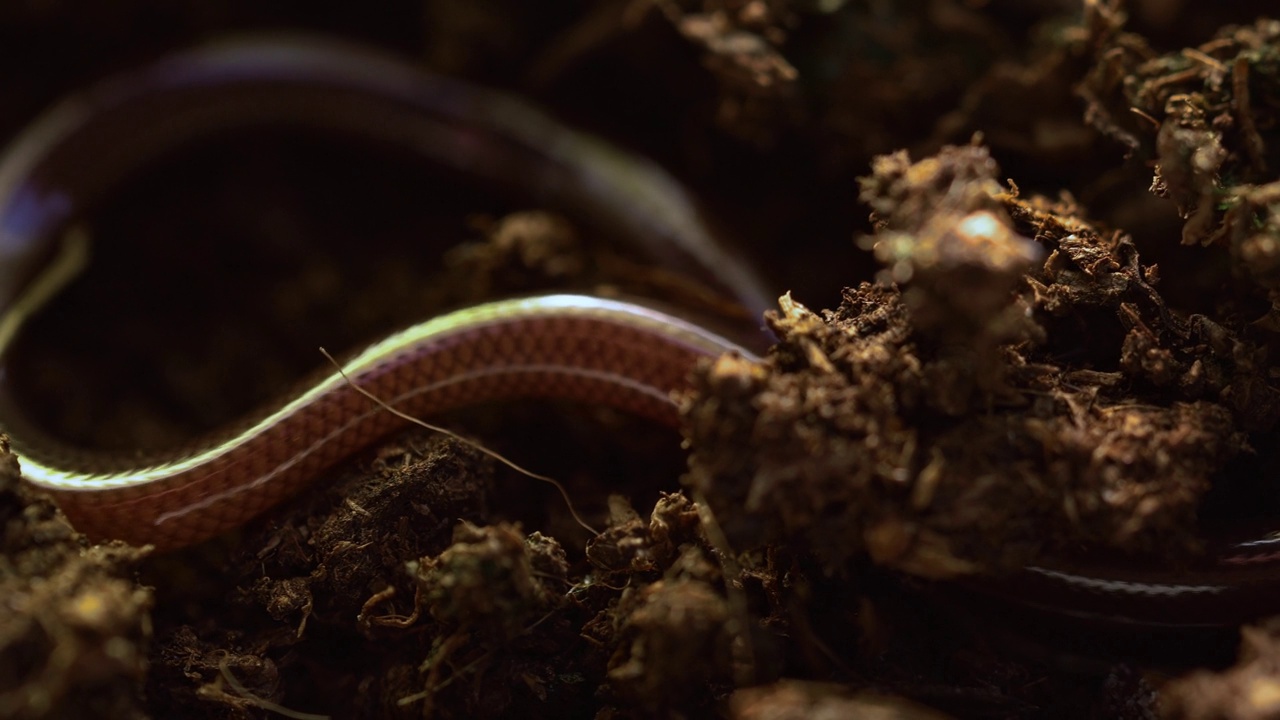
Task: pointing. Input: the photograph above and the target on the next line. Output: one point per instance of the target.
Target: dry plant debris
(941, 427)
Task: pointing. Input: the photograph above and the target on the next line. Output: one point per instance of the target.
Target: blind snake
(575, 347)
(564, 346)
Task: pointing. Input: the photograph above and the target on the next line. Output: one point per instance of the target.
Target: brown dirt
(1049, 240)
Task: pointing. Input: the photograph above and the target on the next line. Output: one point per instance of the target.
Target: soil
(1046, 236)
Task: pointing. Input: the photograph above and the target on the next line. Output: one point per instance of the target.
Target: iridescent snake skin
(562, 346)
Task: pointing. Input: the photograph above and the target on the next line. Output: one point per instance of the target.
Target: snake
(579, 347)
